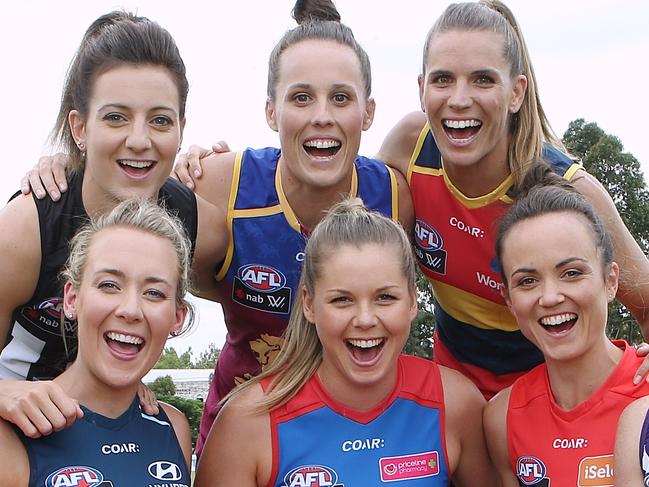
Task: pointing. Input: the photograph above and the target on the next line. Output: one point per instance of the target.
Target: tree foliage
(163, 386)
(207, 358)
(191, 408)
(620, 173)
(420, 341)
(171, 360)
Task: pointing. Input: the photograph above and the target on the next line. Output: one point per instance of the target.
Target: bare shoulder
(458, 388)
(495, 412)
(634, 413)
(214, 185)
(14, 463)
(400, 142)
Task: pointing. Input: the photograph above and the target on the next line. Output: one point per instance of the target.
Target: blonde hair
(142, 215)
(529, 127)
(348, 223)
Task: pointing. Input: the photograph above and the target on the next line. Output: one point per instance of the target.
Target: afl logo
(530, 470)
(165, 471)
(427, 237)
(311, 476)
(261, 278)
(74, 477)
(52, 307)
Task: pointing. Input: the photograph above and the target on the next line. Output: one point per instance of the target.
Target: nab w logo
(165, 471)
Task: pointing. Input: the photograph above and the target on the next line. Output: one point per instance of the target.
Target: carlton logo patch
(263, 288)
(312, 476)
(596, 472)
(407, 467)
(75, 477)
(428, 248)
(530, 470)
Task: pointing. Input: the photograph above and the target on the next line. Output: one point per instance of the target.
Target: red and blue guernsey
(259, 276)
(554, 447)
(454, 244)
(132, 450)
(319, 442)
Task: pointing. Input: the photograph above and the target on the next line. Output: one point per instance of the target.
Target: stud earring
(81, 146)
(69, 315)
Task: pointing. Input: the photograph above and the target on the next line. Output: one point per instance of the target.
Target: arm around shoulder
(495, 427)
(181, 428)
(628, 471)
(400, 142)
(406, 209)
(238, 450)
(465, 443)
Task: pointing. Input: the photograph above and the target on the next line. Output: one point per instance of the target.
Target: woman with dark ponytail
(341, 405)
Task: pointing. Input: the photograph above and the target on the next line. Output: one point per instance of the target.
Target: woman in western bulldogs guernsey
(340, 405)
(555, 427)
(115, 290)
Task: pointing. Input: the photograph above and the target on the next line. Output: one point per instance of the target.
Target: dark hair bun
(306, 11)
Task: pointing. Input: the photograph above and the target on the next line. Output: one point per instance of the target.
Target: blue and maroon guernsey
(260, 273)
(317, 441)
(134, 449)
(454, 244)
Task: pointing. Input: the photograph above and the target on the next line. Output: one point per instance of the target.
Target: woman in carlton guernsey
(559, 276)
(121, 120)
(125, 282)
(341, 404)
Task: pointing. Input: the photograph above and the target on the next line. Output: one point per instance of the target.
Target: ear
(70, 299)
(519, 87)
(271, 115)
(612, 281)
(368, 116)
(307, 305)
(77, 126)
(414, 306)
(420, 82)
(181, 313)
(182, 132)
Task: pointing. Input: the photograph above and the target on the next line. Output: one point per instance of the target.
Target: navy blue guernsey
(35, 347)
(133, 450)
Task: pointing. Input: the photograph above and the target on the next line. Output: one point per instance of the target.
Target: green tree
(207, 358)
(420, 341)
(163, 386)
(191, 408)
(170, 359)
(620, 173)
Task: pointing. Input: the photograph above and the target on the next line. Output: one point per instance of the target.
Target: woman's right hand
(48, 175)
(37, 408)
(188, 165)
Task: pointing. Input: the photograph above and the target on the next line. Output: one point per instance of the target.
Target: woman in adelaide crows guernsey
(556, 425)
(340, 405)
(125, 282)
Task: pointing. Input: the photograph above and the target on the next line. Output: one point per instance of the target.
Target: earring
(69, 315)
(81, 146)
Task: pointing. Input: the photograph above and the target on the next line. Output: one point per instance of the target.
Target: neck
(81, 385)
(573, 381)
(95, 201)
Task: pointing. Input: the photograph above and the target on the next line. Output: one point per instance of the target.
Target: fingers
(220, 147)
(641, 351)
(38, 408)
(46, 176)
(181, 171)
(194, 155)
(148, 401)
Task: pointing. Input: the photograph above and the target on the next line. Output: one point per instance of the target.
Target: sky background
(591, 59)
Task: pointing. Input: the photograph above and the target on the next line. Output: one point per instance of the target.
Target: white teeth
(119, 337)
(322, 143)
(136, 164)
(558, 319)
(462, 124)
(360, 343)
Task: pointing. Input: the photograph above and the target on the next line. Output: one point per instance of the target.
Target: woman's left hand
(642, 350)
(148, 401)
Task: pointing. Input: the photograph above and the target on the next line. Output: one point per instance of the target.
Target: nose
(322, 115)
(129, 308)
(138, 138)
(551, 295)
(460, 96)
(366, 316)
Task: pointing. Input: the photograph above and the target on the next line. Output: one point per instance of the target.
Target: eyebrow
(569, 260)
(118, 273)
(307, 86)
(121, 106)
(477, 72)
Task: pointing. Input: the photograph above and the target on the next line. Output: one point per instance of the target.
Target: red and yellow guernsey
(454, 244)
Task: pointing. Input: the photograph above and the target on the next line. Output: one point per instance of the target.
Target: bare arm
(400, 142)
(406, 209)
(628, 472)
(465, 443)
(14, 463)
(37, 408)
(495, 426)
(238, 450)
(181, 428)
